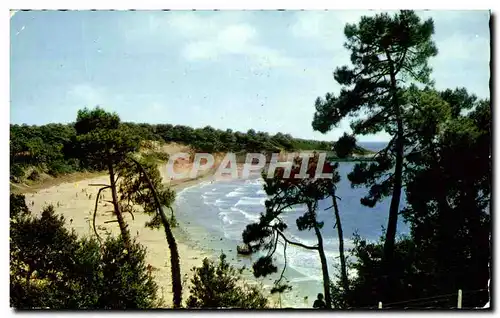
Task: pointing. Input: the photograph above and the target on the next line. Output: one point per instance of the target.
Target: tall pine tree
(388, 53)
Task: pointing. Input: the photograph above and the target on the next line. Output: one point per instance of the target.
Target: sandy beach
(76, 202)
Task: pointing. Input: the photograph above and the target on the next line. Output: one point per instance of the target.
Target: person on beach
(319, 303)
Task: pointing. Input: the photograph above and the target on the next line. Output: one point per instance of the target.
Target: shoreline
(210, 241)
(75, 200)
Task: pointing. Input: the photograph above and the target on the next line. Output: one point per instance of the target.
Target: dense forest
(439, 154)
(48, 147)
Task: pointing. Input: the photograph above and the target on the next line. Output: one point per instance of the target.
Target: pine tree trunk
(392, 223)
(172, 245)
(390, 237)
(119, 216)
(343, 266)
(324, 266)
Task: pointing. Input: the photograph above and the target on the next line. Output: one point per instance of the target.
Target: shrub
(161, 156)
(34, 176)
(16, 172)
(129, 285)
(51, 267)
(60, 167)
(220, 285)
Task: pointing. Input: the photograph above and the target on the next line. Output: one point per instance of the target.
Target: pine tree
(387, 53)
(285, 193)
(104, 143)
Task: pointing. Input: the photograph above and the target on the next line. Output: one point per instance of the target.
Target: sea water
(216, 213)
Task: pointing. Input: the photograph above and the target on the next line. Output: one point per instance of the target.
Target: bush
(216, 286)
(16, 172)
(34, 175)
(368, 286)
(60, 167)
(51, 267)
(161, 156)
(128, 284)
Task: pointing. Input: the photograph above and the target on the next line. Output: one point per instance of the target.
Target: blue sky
(227, 69)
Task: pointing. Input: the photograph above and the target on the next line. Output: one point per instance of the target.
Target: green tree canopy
(387, 54)
(50, 267)
(220, 286)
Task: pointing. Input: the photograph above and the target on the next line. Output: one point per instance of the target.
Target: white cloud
(461, 48)
(156, 107)
(85, 95)
(309, 24)
(217, 36)
(326, 27)
(237, 36)
(190, 24)
(452, 16)
(232, 39)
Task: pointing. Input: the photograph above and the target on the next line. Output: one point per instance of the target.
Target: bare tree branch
(284, 266)
(296, 243)
(99, 185)
(133, 217)
(275, 239)
(171, 212)
(95, 211)
(386, 148)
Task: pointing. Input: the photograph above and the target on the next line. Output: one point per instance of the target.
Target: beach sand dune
(76, 202)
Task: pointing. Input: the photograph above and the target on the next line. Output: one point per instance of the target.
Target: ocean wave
(212, 198)
(257, 182)
(225, 218)
(233, 194)
(302, 279)
(179, 199)
(204, 183)
(208, 199)
(250, 201)
(331, 244)
(183, 191)
(306, 262)
(220, 202)
(248, 216)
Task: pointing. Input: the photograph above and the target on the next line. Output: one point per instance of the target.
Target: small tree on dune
(100, 143)
(104, 143)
